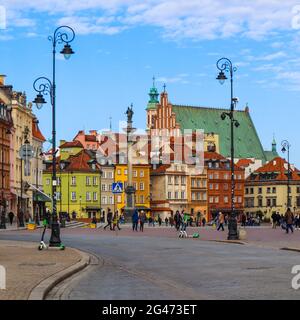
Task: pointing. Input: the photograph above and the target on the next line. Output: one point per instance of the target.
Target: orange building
(219, 184)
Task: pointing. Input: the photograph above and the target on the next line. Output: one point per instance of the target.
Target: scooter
(42, 244)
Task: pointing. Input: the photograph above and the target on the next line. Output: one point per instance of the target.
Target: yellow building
(141, 183)
(79, 185)
(266, 189)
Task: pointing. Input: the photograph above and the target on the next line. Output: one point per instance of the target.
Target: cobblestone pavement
(26, 266)
(156, 264)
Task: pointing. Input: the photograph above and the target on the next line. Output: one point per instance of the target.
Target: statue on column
(129, 113)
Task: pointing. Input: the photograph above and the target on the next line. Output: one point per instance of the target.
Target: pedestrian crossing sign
(117, 187)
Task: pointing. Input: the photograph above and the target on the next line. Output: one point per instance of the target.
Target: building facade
(266, 189)
(219, 185)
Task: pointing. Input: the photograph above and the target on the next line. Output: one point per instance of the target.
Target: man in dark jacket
(289, 218)
(109, 219)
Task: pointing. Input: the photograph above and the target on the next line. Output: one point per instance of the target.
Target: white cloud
(194, 19)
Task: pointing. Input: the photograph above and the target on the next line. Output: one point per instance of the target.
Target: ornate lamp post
(286, 148)
(224, 64)
(44, 86)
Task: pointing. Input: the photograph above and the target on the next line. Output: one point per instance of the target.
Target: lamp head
(67, 51)
(39, 101)
(221, 77)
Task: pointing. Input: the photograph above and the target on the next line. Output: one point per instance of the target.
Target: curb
(43, 288)
(290, 249)
(230, 241)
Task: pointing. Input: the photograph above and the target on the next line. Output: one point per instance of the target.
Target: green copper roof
(247, 143)
(151, 105)
(270, 155)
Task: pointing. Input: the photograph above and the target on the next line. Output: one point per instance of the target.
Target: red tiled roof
(36, 132)
(72, 144)
(280, 166)
(243, 163)
(212, 155)
(89, 137)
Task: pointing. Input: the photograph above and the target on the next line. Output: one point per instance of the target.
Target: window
(111, 200)
(239, 177)
(88, 180)
(73, 196)
(274, 190)
(226, 176)
(169, 195)
(260, 202)
(104, 200)
(103, 187)
(204, 183)
(204, 196)
(135, 185)
(183, 180)
(211, 176)
(217, 165)
(217, 186)
(268, 202)
(95, 181)
(58, 196)
(216, 176)
(193, 182)
(119, 199)
(274, 202)
(193, 196)
(182, 195)
(47, 181)
(142, 174)
(251, 190)
(73, 181)
(88, 196)
(176, 180)
(176, 194)
(95, 196)
(142, 186)
(226, 199)
(211, 199)
(268, 190)
(198, 183)
(110, 187)
(125, 172)
(211, 186)
(239, 199)
(216, 199)
(135, 173)
(226, 187)
(170, 180)
(109, 175)
(259, 190)
(119, 171)
(298, 189)
(58, 181)
(142, 199)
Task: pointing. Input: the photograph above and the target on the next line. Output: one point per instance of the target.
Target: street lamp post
(43, 85)
(224, 64)
(286, 148)
(4, 204)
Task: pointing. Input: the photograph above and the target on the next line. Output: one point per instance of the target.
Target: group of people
(113, 220)
(287, 221)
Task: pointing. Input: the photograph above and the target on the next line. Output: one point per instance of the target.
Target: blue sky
(121, 44)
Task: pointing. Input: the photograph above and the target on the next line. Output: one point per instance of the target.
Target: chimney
(2, 79)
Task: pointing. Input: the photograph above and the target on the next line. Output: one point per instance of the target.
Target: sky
(121, 44)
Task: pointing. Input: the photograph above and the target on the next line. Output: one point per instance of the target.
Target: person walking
(289, 218)
(244, 219)
(221, 221)
(159, 220)
(297, 221)
(274, 220)
(115, 221)
(109, 220)
(142, 219)
(166, 221)
(203, 222)
(11, 217)
(177, 220)
(135, 220)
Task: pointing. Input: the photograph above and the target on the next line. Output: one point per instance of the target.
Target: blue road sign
(117, 187)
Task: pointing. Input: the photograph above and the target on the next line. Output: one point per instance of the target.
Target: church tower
(151, 106)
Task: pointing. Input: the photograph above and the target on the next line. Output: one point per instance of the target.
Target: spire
(110, 118)
(274, 144)
(153, 94)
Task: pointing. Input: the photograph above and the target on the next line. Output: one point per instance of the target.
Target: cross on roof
(164, 87)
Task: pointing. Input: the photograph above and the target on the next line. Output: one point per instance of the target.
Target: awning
(41, 197)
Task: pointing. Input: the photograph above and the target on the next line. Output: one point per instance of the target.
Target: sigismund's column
(130, 190)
